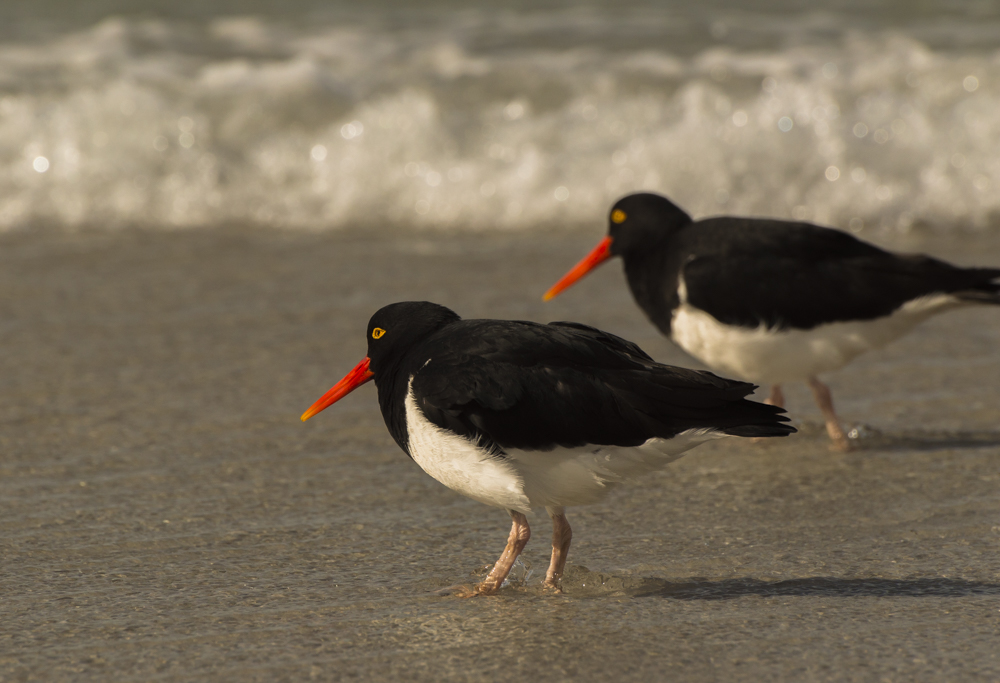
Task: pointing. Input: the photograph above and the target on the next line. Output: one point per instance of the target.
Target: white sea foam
(166, 123)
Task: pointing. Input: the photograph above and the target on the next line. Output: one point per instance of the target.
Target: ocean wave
(239, 120)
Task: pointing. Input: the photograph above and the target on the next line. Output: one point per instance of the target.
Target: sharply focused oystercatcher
(771, 301)
(522, 415)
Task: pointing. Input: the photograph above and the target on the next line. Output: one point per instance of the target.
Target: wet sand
(167, 517)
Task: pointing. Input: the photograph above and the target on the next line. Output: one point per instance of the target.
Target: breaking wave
(465, 124)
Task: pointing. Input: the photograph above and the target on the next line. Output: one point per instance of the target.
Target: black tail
(761, 420)
(668, 400)
(985, 288)
(761, 430)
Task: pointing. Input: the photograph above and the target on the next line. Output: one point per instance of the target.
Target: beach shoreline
(167, 516)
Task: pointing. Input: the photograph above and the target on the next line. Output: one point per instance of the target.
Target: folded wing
(568, 385)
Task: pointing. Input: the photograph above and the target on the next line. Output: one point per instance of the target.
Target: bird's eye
(377, 333)
(618, 216)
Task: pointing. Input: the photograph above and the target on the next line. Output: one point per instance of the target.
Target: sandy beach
(167, 517)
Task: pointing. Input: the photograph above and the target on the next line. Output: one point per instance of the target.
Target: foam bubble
(335, 125)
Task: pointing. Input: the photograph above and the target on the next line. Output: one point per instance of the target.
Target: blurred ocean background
(870, 116)
(201, 203)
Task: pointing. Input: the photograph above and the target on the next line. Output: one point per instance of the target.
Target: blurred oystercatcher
(522, 415)
(771, 301)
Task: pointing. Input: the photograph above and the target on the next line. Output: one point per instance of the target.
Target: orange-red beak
(600, 254)
(354, 379)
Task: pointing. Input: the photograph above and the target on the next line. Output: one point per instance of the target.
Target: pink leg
(824, 400)
(519, 535)
(777, 398)
(562, 534)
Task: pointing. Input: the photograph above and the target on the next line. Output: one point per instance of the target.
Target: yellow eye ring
(618, 216)
(377, 333)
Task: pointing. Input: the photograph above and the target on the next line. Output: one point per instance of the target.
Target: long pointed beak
(354, 379)
(600, 254)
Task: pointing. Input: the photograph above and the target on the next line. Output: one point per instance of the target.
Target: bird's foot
(464, 591)
(459, 590)
(839, 442)
(842, 446)
(485, 588)
(552, 587)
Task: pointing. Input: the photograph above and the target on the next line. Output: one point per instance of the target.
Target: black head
(396, 328)
(639, 221)
(392, 331)
(637, 225)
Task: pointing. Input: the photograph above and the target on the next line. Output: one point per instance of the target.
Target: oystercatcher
(771, 301)
(521, 415)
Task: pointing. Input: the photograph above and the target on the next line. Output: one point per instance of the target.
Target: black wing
(606, 340)
(536, 387)
(747, 272)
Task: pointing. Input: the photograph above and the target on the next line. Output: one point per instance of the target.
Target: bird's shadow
(933, 441)
(868, 438)
(819, 586)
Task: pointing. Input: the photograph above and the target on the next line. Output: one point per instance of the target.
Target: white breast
(460, 464)
(531, 479)
(766, 355)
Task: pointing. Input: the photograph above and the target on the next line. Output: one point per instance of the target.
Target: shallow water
(167, 517)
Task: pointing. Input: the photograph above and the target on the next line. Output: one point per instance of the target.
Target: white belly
(460, 464)
(772, 356)
(532, 479)
(564, 477)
